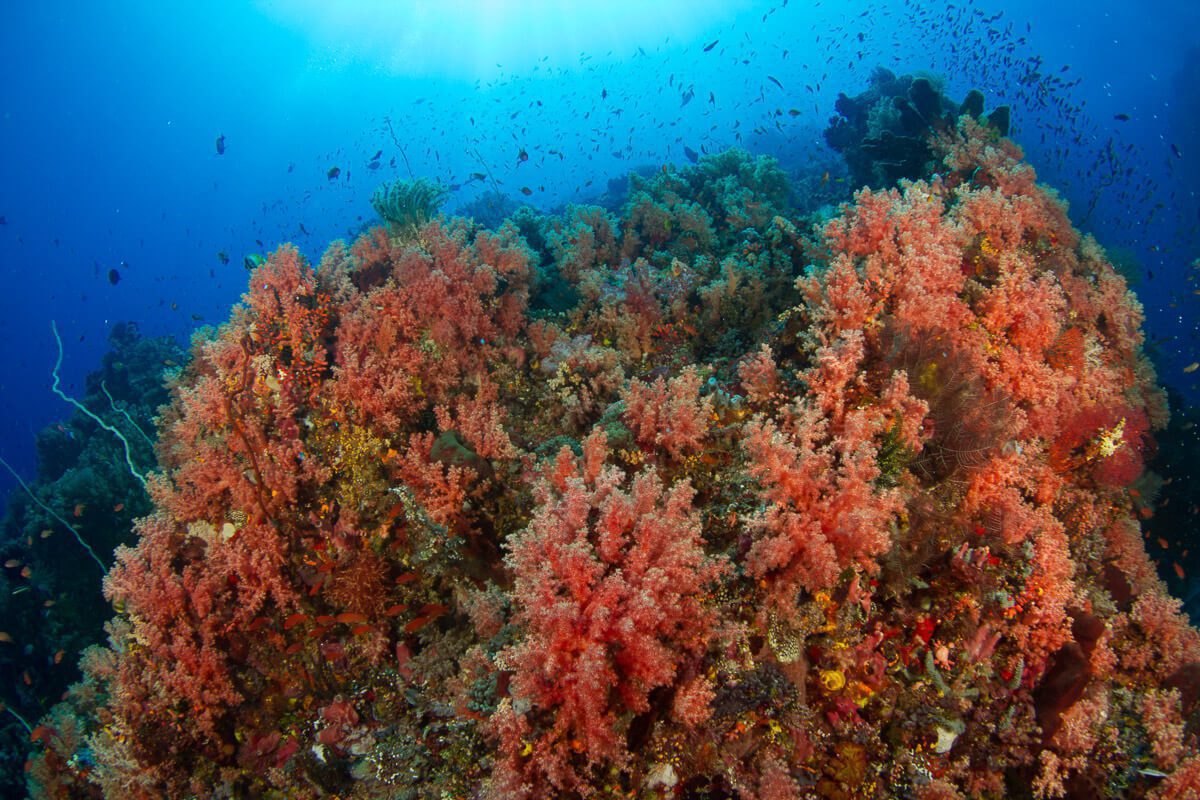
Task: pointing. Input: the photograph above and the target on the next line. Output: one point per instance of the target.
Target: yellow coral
(832, 679)
(1109, 441)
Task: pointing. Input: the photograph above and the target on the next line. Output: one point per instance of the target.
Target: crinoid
(966, 421)
(360, 584)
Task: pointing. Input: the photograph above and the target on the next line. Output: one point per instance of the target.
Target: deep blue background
(109, 113)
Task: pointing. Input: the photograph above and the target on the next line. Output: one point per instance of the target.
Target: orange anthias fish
(294, 620)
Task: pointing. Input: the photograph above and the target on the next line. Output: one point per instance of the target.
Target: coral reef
(883, 132)
(51, 606)
(755, 508)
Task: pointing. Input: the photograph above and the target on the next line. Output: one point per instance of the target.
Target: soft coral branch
(609, 588)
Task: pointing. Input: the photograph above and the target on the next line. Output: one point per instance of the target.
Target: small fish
(5, 636)
(79, 509)
(294, 620)
(58, 657)
(222, 256)
(351, 618)
(522, 156)
(775, 81)
(253, 261)
(711, 45)
(12, 563)
(1174, 149)
(378, 155)
(118, 508)
(403, 656)
(333, 173)
(525, 190)
(1121, 117)
(418, 623)
(114, 277)
(221, 145)
(691, 154)
(1192, 367)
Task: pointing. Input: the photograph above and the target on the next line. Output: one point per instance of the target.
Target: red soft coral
(609, 587)
(825, 512)
(669, 414)
(451, 307)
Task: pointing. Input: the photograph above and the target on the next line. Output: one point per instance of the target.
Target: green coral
(407, 205)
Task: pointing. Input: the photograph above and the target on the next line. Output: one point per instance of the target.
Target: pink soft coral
(609, 588)
(670, 415)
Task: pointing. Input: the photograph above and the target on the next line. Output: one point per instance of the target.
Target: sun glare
(483, 38)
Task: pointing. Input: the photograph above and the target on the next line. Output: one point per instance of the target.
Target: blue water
(111, 113)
